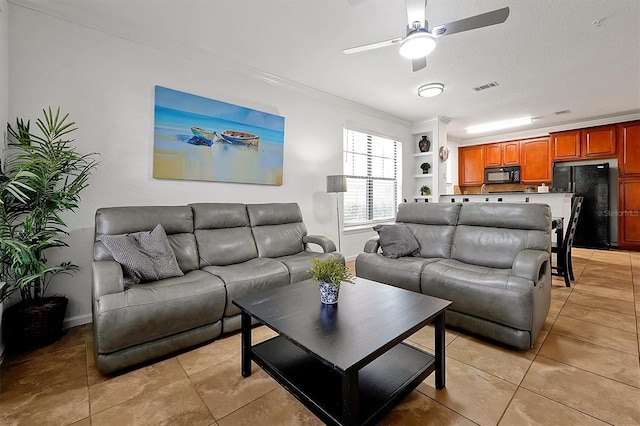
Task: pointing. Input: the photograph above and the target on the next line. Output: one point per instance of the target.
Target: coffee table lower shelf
(382, 383)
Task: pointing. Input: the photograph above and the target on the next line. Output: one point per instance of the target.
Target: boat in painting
(201, 137)
(240, 138)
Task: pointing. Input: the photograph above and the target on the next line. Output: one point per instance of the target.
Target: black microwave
(510, 174)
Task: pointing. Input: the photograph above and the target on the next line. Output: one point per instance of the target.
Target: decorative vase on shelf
(425, 168)
(328, 293)
(424, 144)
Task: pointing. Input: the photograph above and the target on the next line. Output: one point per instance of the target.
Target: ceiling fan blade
(372, 46)
(419, 63)
(416, 11)
(471, 23)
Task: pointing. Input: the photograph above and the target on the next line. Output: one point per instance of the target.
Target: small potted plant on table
(329, 274)
(425, 191)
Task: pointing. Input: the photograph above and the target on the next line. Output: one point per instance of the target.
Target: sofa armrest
(327, 245)
(532, 265)
(107, 278)
(372, 245)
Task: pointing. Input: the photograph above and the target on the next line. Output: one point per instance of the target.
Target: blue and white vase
(328, 293)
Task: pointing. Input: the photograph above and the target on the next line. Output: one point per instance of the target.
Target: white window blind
(373, 166)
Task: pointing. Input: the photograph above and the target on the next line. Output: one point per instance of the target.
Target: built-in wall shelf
(435, 130)
(421, 179)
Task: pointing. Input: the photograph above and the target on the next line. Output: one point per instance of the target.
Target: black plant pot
(25, 329)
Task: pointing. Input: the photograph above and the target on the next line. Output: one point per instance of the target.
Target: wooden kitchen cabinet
(493, 155)
(471, 165)
(535, 161)
(511, 153)
(594, 142)
(502, 154)
(565, 145)
(629, 149)
(598, 142)
(629, 213)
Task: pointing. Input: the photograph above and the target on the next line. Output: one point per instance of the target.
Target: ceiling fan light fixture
(417, 44)
(430, 90)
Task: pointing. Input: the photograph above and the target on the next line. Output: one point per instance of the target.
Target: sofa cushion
(402, 272)
(429, 213)
(397, 241)
(219, 215)
(433, 225)
(177, 222)
(252, 276)
(435, 240)
(279, 240)
(273, 213)
(277, 228)
(144, 256)
(487, 293)
(492, 235)
(151, 311)
(186, 250)
(225, 246)
(299, 264)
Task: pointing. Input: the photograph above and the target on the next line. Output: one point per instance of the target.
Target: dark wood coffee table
(347, 362)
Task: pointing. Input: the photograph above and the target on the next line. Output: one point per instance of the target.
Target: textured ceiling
(548, 56)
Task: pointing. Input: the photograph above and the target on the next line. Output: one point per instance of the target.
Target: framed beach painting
(197, 138)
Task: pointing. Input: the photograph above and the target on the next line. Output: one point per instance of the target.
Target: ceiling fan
(420, 41)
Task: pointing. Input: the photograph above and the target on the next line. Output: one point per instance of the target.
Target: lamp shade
(337, 183)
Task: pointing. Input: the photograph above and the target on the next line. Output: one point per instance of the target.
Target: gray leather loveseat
(223, 251)
(492, 260)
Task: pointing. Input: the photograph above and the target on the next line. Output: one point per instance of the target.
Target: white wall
(106, 83)
(4, 99)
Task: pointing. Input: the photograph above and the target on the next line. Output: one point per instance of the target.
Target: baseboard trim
(76, 321)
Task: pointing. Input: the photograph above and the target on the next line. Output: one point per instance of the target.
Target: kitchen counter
(559, 202)
(506, 192)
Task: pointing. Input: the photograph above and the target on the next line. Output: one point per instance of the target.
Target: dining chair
(562, 249)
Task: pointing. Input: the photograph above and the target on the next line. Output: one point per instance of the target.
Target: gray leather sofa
(492, 260)
(224, 250)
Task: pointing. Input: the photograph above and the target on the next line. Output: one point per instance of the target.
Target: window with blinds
(373, 166)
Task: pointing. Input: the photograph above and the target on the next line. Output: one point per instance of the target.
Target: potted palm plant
(42, 178)
(329, 274)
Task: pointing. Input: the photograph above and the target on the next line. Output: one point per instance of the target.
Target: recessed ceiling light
(430, 90)
(499, 125)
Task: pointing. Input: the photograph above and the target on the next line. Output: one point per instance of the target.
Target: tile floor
(583, 370)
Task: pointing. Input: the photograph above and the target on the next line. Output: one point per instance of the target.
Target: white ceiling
(548, 56)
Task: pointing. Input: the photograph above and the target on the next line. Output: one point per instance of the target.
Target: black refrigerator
(592, 183)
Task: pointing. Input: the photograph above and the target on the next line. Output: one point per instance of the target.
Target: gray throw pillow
(144, 256)
(397, 241)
